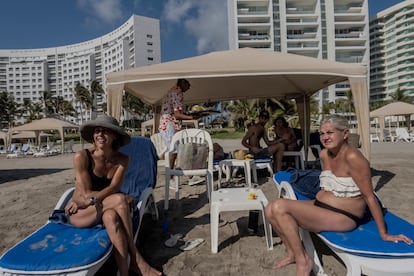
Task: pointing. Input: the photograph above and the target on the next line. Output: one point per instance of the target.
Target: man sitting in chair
(251, 140)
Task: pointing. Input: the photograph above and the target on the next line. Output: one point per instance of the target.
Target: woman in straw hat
(99, 172)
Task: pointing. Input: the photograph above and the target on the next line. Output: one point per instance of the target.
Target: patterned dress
(172, 102)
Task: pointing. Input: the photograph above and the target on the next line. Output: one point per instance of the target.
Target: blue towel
(305, 182)
(142, 169)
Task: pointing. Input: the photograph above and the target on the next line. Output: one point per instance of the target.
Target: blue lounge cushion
(365, 240)
(61, 247)
(262, 160)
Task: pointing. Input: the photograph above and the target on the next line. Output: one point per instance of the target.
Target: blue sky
(188, 27)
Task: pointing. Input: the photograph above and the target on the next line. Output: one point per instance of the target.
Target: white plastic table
(248, 165)
(237, 199)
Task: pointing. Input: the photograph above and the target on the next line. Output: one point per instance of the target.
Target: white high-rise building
(392, 54)
(27, 73)
(329, 29)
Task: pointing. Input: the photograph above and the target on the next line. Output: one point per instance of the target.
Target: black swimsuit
(357, 220)
(98, 182)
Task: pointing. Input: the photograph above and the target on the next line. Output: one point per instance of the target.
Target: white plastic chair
(402, 134)
(182, 137)
(388, 136)
(374, 137)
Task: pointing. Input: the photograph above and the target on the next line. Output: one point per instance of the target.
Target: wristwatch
(92, 200)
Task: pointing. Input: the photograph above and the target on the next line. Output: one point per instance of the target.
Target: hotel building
(335, 30)
(27, 73)
(392, 51)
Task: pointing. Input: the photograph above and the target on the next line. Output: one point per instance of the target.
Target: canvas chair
(60, 249)
(403, 135)
(361, 250)
(182, 137)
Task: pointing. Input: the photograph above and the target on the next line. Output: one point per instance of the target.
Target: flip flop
(172, 241)
(191, 244)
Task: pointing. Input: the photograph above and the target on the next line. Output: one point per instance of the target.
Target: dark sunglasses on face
(102, 130)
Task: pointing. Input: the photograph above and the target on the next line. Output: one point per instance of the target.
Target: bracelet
(92, 200)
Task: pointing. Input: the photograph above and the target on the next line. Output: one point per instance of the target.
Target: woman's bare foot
(147, 270)
(303, 268)
(289, 259)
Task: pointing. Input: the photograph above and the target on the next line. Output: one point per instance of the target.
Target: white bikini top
(339, 186)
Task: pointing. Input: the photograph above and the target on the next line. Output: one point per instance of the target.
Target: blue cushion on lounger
(285, 176)
(62, 247)
(366, 241)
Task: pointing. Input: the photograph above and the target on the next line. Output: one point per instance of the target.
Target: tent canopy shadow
(18, 174)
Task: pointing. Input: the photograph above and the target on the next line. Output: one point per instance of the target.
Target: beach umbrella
(392, 109)
(46, 124)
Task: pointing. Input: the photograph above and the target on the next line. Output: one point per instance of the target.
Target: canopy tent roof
(28, 135)
(244, 73)
(45, 124)
(393, 109)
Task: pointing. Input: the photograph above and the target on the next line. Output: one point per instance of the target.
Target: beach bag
(192, 156)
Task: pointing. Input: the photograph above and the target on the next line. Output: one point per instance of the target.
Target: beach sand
(30, 188)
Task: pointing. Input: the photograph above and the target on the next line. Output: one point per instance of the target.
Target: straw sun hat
(106, 122)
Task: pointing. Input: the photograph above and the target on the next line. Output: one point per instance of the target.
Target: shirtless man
(252, 141)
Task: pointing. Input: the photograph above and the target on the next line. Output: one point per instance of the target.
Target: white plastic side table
(237, 199)
(248, 165)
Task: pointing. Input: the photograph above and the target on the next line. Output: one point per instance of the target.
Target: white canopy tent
(45, 124)
(245, 73)
(392, 109)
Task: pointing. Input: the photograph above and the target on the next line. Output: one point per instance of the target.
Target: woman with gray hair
(345, 201)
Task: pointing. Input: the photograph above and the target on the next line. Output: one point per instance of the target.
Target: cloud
(107, 11)
(205, 20)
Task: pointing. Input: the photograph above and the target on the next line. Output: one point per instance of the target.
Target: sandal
(172, 241)
(191, 244)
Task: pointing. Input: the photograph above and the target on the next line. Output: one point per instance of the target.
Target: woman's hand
(131, 202)
(397, 238)
(71, 208)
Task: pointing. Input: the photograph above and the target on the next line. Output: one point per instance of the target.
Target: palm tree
(83, 96)
(400, 96)
(327, 107)
(47, 103)
(57, 103)
(8, 109)
(243, 112)
(135, 106)
(96, 88)
(67, 109)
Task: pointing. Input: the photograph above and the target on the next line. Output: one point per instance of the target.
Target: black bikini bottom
(357, 220)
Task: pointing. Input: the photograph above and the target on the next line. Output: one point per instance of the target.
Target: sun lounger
(362, 250)
(60, 249)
